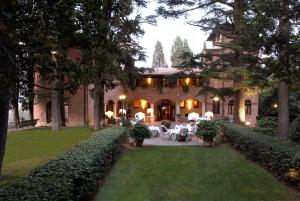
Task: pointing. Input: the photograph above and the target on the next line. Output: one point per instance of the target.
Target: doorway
(165, 110)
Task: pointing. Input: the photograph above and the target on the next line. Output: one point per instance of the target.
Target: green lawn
(30, 148)
(190, 173)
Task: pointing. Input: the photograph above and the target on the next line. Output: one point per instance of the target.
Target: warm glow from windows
(143, 103)
(187, 81)
(189, 104)
(149, 81)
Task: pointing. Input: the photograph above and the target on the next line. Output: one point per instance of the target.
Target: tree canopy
(159, 56)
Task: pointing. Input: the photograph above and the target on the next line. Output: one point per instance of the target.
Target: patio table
(155, 130)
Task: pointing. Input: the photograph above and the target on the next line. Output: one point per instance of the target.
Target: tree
(280, 45)
(176, 52)
(159, 57)
(9, 69)
(110, 29)
(54, 38)
(228, 18)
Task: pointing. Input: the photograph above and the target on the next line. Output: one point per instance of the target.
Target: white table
(155, 130)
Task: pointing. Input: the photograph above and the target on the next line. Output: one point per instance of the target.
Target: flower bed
(74, 175)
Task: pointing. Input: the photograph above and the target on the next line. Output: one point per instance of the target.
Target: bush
(207, 129)
(125, 122)
(74, 175)
(267, 126)
(294, 132)
(279, 156)
(140, 131)
(166, 123)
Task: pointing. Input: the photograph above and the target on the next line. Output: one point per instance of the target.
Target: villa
(159, 95)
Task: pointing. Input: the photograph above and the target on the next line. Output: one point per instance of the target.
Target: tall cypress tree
(176, 52)
(159, 56)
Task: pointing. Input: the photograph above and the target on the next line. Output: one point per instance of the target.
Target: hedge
(74, 175)
(277, 155)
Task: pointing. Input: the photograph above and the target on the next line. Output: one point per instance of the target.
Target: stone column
(177, 109)
(115, 110)
(203, 108)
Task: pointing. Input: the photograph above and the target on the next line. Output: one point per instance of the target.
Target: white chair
(140, 116)
(165, 131)
(209, 115)
(193, 116)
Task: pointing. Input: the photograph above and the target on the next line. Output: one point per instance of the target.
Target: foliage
(140, 131)
(74, 175)
(267, 126)
(159, 60)
(166, 123)
(180, 52)
(278, 156)
(207, 129)
(295, 130)
(125, 122)
(190, 173)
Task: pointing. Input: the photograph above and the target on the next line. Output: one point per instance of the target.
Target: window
(248, 106)
(230, 107)
(136, 104)
(196, 104)
(182, 105)
(216, 107)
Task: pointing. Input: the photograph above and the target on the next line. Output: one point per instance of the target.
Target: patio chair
(165, 131)
(183, 135)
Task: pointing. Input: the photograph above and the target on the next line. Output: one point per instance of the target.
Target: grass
(29, 148)
(190, 173)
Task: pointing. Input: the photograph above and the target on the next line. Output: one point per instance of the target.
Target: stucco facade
(168, 100)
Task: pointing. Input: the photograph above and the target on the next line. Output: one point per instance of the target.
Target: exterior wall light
(216, 98)
(275, 105)
(122, 97)
(247, 123)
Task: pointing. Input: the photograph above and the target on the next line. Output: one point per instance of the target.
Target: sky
(166, 31)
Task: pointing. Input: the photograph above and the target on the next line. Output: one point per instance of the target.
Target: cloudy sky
(166, 31)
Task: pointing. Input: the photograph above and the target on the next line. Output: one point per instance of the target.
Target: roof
(219, 29)
(167, 71)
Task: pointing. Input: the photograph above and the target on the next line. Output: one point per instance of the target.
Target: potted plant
(139, 132)
(207, 130)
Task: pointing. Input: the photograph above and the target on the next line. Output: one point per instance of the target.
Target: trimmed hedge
(278, 156)
(74, 175)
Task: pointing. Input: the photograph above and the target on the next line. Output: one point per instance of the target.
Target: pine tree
(159, 57)
(109, 28)
(276, 25)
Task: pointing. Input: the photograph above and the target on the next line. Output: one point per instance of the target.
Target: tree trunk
(283, 110)
(239, 107)
(55, 107)
(4, 108)
(98, 105)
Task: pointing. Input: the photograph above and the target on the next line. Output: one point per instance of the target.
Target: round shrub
(125, 122)
(207, 129)
(295, 130)
(140, 131)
